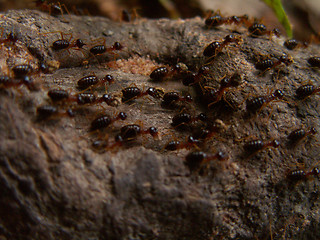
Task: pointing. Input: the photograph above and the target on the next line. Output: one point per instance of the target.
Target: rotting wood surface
(55, 186)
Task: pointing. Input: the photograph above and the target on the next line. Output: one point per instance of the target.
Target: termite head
(28, 81)
(154, 132)
(122, 115)
(276, 32)
(108, 78)
(287, 60)
(275, 143)
(278, 93)
(188, 98)
(117, 46)
(80, 43)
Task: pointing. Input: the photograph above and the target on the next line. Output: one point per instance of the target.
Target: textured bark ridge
(55, 186)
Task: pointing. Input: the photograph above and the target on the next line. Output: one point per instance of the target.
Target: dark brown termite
(162, 73)
(7, 82)
(51, 8)
(306, 90)
(93, 81)
(292, 44)
(298, 135)
(170, 98)
(259, 29)
(314, 62)
(215, 20)
(302, 174)
(48, 111)
(105, 121)
(254, 146)
(66, 44)
(186, 118)
(192, 78)
(257, 103)
(176, 145)
(212, 95)
(60, 95)
(131, 93)
(132, 131)
(268, 63)
(195, 160)
(217, 46)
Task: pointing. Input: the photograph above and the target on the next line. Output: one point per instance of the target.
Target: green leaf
(277, 7)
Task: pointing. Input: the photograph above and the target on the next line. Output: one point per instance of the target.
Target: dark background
(304, 14)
